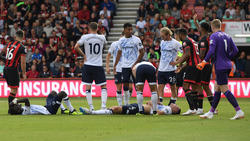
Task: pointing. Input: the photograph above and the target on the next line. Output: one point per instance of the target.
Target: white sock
(89, 99)
(62, 107)
(154, 99)
(139, 100)
(126, 97)
(119, 98)
(104, 98)
(101, 112)
(68, 103)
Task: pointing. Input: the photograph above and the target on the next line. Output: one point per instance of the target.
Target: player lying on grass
(133, 109)
(53, 102)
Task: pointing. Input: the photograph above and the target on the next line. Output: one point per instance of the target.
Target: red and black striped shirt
(194, 58)
(14, 51)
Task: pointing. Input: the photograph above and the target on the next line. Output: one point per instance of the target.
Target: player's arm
(118, 56)
(78, 50)
(183, 57)
(212, 48)
(160, 112)
(195, 22)
(202, 53)
(25, 101)
(23, 65)
(107, 63)
(141, 51)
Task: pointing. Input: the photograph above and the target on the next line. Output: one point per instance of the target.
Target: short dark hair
(93, 26)
(127, 25)
(205, 26)
(183, 31)
(15, 109)
(19, 34)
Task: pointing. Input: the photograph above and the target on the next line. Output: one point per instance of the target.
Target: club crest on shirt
(211, 41)
(202, 44)
(184, 43)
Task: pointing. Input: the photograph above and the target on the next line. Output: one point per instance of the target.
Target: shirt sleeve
(23, 50)
(81, 41)
(212, 48)
(139, 44)
(104, 38)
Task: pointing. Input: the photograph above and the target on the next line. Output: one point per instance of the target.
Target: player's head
(166, 33)
(127, 30)
(182, 34)
(19, 35)
(177, 34)
(205, 27)
(93, 26)
(15, 109)
(216, 25)
(175, 109)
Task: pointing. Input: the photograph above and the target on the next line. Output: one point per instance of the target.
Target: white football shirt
(113, 51)
(35, 110)
(93, 45)
(169, 51)
(166, 109)
(130, 50)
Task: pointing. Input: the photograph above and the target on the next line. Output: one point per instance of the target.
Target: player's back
(221, 41)
(93, 45)
(194, 58)
(14, 51)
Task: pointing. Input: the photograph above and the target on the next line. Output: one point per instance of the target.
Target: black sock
(200, 101)
(210, 99)
(161, 99)
(11, 97)
(195, 99)
(190, 99)
(171, 101)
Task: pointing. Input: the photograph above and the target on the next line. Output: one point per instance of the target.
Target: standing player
(118, 76)
(145, 71)
(206, 72)
(14, 51)
(166, 72)
(53, 102)
(131, 51)
(92, 69)
(192, 74)
(223, 48)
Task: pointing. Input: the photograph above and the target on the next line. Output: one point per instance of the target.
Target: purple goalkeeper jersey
(219, 43)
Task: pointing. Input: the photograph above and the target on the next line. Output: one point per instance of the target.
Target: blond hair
(216, 23)
(166, 31)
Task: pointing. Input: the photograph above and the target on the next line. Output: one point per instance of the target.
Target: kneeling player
(53, 102)
(145, 71)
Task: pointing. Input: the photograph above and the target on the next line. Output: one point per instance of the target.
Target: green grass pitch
(123, 127)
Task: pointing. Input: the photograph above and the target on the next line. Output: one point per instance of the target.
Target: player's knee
(125, 88)
(62, 94)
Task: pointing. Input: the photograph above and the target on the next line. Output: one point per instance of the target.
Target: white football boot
(239, 115)
(208, 115)
(189, 112)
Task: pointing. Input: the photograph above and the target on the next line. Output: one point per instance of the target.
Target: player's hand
(24, 77)
(114, 70)
(195, 17)
(173, 63)
(108, 70)
(178, 70)
(201, 65)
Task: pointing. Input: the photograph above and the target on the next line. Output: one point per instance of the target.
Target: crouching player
(145, 71)
(53, 102)
(133, 109)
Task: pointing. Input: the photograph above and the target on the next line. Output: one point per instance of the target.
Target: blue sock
(217, 96)
(230, 97)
